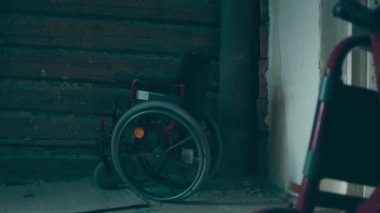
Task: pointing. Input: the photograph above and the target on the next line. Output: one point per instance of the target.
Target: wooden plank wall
(58, 59)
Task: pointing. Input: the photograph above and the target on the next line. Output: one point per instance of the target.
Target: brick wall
(262, 101)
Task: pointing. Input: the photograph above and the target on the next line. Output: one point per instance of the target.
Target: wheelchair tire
(216, 144)
(168, 142)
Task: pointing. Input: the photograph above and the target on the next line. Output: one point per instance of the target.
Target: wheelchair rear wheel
(168, 146)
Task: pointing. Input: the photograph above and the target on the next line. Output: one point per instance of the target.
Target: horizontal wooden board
(31, 63)
(47, 126)
(88, 151)
(72, 33)
(35, 128)
(63, 64)
(30, 142)
(32, 169)
(168, 11)
(67, 98)
(60, 97)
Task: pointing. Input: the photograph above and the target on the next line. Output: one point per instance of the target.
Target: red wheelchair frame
(345, 140)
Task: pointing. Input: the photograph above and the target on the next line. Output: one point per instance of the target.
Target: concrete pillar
(238, 73)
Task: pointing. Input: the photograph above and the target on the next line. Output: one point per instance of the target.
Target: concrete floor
(54, 184)
(82, 196)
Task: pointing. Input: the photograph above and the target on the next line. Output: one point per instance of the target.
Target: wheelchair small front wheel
(169, 147)
(105, 177)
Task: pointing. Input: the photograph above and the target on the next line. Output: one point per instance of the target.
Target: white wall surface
(293, 80)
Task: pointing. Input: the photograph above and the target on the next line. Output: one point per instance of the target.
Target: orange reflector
(139, 132)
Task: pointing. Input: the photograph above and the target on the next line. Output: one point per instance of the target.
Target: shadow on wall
(277, 149)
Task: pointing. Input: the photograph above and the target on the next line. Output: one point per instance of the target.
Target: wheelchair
(164, 147)
(345, 140)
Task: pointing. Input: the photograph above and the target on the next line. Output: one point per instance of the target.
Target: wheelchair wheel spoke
(141, 154)
(157, 169)
(179, 144)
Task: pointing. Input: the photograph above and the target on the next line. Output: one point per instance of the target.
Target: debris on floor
(82, 196)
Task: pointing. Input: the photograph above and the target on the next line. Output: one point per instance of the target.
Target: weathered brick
(262, 112)
(263, 86)
(264, 11)
(264, 33)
